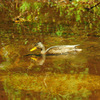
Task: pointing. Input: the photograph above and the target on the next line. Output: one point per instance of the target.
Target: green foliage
(97, 10)
(75, 11)
(60, 30)
(1, 6)
(25, 6)
(26, 41)
(28, 17)
(36, 5)
(52, 17)
(59, 33)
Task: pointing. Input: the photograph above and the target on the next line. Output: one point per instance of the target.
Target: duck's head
(39, 45)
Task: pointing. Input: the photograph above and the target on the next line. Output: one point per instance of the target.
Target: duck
(59, 49)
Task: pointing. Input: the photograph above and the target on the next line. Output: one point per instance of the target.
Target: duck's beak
(33, 49)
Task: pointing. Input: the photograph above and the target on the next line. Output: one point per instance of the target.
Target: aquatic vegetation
(54, 13)
(57, 85)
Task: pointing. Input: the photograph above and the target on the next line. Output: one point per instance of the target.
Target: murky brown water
(30, 76)
(26, 75)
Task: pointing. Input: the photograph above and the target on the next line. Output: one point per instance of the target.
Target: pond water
(26, 75)
(29, 75)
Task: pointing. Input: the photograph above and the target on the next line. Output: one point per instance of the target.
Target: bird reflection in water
(40, 60)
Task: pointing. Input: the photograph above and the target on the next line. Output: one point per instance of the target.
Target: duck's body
(60, 49)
